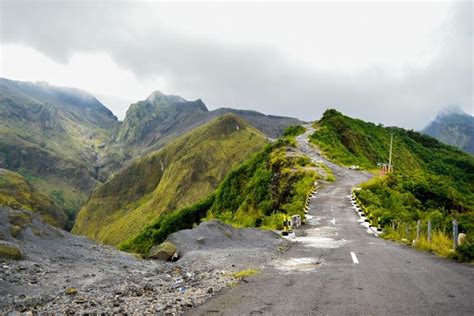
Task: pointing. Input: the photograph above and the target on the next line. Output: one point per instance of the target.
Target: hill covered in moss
(17, 193)
(178, 175)
(260, 192)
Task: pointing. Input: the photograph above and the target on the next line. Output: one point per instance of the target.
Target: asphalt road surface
(339, 268)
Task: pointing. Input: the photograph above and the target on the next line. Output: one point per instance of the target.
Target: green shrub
(465, 253)
(166, 225)
(294, 130)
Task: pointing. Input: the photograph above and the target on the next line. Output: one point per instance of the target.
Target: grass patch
(245, 273)
(330, 178)
(293, 131)
(441, 244)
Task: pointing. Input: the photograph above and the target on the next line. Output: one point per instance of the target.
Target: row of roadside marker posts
(295, 221)
(359, 208)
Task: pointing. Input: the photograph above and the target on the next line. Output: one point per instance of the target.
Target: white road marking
(354, 257)
(333, 221)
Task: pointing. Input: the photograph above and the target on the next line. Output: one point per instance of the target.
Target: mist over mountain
(453, 126)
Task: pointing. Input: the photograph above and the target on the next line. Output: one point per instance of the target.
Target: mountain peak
(158, 95)
(450, 110)
(453, 126)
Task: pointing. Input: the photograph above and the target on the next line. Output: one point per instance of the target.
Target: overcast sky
(392, 62)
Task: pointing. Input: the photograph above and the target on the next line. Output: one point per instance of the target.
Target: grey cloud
(246, 76)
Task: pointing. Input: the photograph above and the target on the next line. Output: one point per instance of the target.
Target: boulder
(164, 251)
(15, 231)
(20, 219)
(9, 251)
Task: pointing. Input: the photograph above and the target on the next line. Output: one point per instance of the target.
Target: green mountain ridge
(431, 180)
(179, 174)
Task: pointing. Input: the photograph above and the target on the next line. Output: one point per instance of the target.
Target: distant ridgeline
(430, 179)
(258, 193)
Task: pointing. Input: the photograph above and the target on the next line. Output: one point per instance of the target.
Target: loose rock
(164, 251)
(9, 251)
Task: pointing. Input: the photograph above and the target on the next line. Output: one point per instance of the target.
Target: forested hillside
(431, 180)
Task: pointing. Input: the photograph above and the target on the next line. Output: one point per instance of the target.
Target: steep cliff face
(184, 171)
(149, 121)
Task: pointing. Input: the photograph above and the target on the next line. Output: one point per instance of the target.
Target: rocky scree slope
(181, 173)
(63, 273)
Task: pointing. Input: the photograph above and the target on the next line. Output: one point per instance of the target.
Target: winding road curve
(338, 268)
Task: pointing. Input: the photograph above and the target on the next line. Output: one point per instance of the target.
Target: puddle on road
(298, 264)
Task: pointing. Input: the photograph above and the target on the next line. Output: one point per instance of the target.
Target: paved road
(341, 269)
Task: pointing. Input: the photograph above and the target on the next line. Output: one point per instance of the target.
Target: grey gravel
(66, 274)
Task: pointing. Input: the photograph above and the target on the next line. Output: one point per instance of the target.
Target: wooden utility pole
(390, 155)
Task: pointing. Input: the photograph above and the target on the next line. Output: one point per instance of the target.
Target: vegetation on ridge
(258, 193)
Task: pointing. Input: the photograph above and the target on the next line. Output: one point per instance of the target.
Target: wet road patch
(298, 264)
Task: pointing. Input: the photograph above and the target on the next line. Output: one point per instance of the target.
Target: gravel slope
(109, 281)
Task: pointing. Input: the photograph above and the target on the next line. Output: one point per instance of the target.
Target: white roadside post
(455, 234)
(418, 229)
(429, 231)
